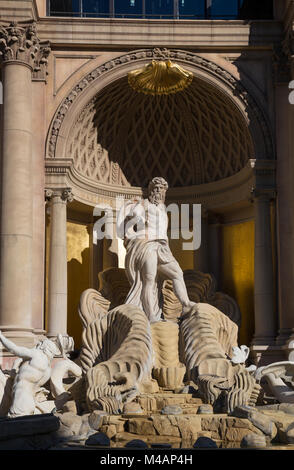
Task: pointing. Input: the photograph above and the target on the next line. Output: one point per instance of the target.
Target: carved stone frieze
(21, 43)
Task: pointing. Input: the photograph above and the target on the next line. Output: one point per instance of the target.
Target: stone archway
(232, 89)
(203, 143)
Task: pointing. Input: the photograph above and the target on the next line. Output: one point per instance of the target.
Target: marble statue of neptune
(149, 260)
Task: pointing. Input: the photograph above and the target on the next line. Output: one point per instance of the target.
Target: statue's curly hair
(155, 181)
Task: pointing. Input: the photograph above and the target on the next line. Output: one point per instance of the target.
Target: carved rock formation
(201, 287)
(114, 285)
(208, 337)
(167, 369)
(92, 306)
(116, 354)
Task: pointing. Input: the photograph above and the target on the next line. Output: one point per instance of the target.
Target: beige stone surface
(172, 33)
(186, 427)
(70, 424)
(141, 426)
(228, 428)
(166, 426)
(57, 301)
(283, 423)
(152, 402)
(110, 430)
(38, 233)
(122, 438)
(16, 225)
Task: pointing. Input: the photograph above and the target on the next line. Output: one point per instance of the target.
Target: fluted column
(201, 255)
(57, 301)
(265, 329)
(214, 243)
(21, 53)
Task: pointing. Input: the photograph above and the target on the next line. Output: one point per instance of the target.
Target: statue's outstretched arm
(20, 351)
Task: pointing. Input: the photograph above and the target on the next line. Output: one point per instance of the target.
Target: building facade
(75, 136)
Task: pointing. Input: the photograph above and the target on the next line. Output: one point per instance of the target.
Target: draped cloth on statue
(138, 251)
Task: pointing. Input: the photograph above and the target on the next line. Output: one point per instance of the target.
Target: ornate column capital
(65, 194)
(21, 43)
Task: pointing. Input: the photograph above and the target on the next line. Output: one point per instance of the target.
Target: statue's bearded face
(157, 194)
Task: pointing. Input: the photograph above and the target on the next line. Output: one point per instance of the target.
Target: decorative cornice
(58, 166)
(188, 57)
(21, 43)
(236, 187)
(65, 194)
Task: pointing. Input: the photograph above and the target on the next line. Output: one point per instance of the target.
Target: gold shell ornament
(160, 78)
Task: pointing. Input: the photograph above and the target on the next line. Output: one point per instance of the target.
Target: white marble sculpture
(34, 370)
(22, 391)
(149, 260)
(240, 354)
(279, 377)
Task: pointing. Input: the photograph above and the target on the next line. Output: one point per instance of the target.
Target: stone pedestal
(57, 302)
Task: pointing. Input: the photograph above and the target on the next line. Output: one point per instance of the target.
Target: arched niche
(112, 139)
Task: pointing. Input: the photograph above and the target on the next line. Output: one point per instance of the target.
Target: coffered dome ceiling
(192, 137)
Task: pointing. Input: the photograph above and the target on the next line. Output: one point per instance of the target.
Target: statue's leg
(173, 272)
(149, 292)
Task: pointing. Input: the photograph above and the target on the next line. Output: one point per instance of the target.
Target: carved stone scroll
(201, 287)
(116, 355)
(208, 337)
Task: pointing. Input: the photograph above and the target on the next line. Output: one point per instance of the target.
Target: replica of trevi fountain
(159, 362)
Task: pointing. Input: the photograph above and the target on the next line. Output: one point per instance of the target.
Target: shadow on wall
(237, 273)
(78, 280)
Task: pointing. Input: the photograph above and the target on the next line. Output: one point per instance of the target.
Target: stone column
(285, 206)
(38, 228)
(214, 243)
(201, 255)
(57, 288)
(263, 272)
(21, 53)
